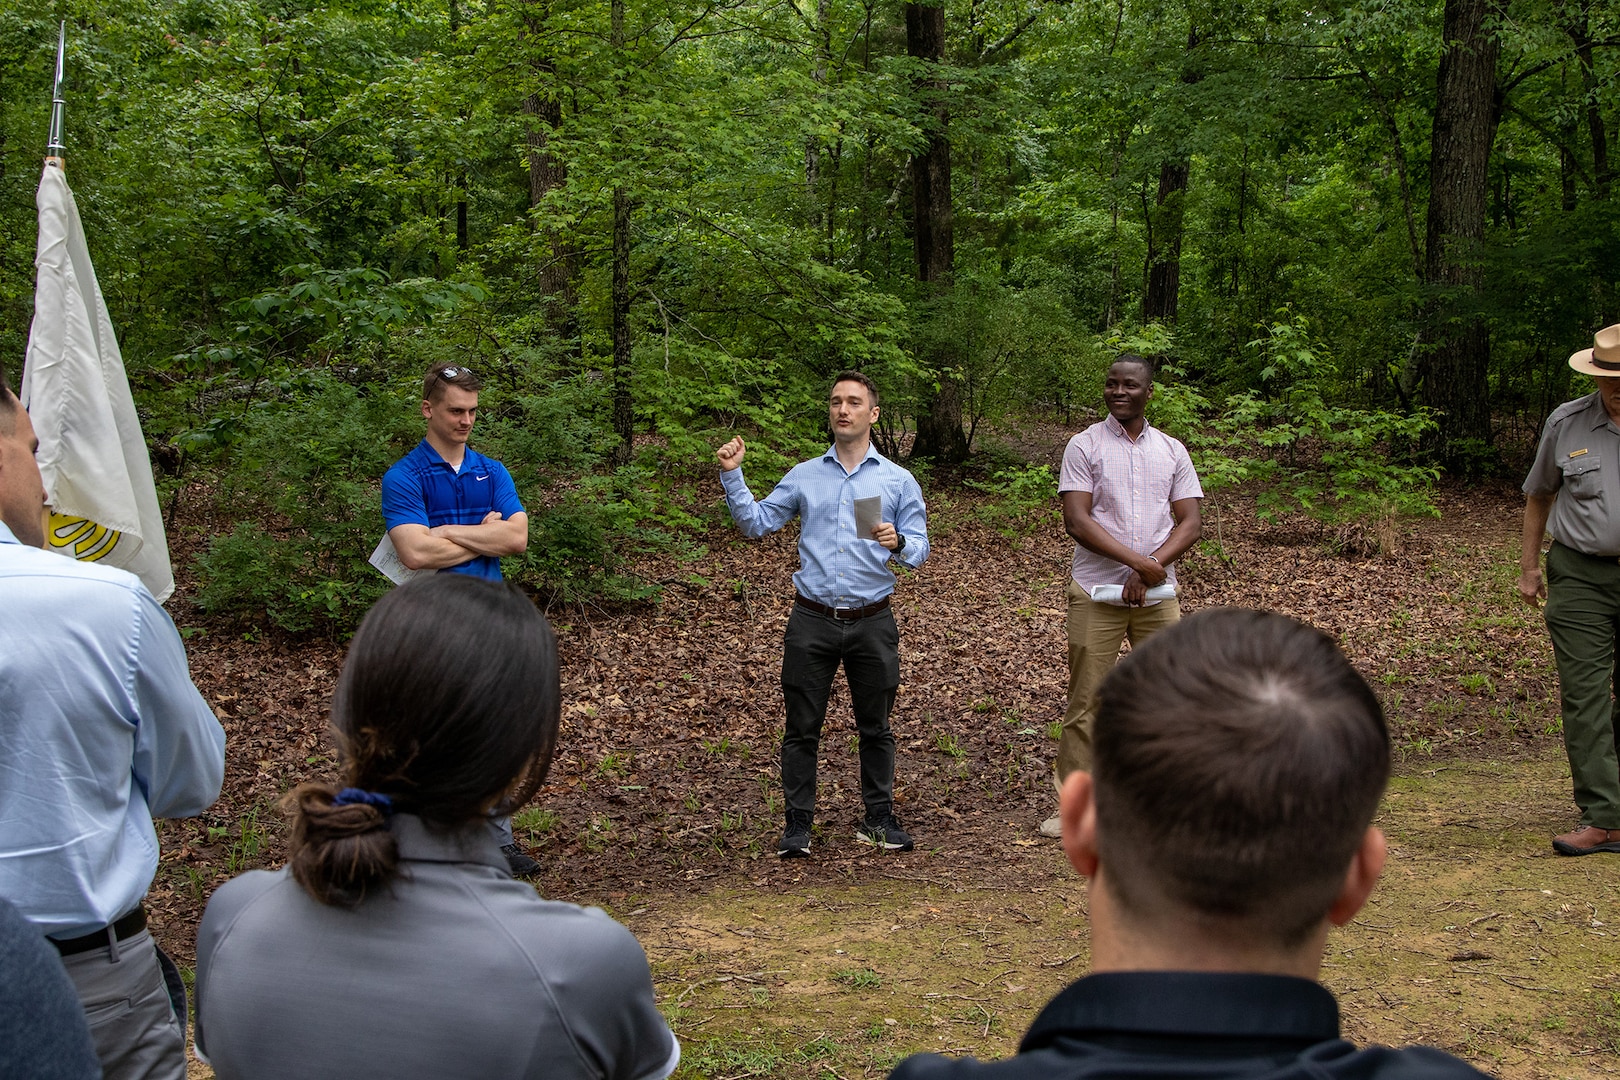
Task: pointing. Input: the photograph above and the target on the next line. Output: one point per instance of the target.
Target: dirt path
(1478, 940)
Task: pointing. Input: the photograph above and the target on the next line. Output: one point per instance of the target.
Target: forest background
(1362, 236)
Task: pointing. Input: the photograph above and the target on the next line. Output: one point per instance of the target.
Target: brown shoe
(1587, 840)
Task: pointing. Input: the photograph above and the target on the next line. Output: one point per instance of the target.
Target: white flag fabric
(92, 455)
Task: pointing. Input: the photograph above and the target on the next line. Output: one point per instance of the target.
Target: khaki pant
(135, 1004)
(1095, 633)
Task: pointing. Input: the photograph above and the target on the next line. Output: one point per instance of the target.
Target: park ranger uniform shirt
(1579, 461)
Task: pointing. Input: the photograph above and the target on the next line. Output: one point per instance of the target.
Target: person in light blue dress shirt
(841, 609)
(101, 730)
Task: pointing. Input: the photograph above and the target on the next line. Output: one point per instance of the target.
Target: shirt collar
(436, 458)
(871, 454)
(1599, 415)
(7, 536)
(1119, 429)
(420, 842)
(1188, 1003)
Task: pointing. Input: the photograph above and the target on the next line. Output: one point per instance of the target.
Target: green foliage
(1025, 499)
(1353, 469)
(274, 197)
(307, 474)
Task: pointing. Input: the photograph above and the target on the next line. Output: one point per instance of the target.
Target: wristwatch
(901, 546)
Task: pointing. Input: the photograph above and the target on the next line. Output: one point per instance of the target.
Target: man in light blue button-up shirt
(101, 730)
(841, 611)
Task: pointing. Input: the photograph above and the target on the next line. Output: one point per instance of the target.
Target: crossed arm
(422, 548)
(1146, 570)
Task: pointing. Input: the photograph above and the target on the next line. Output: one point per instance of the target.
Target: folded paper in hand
(1115, 594)
(868, 516)
(386, 560)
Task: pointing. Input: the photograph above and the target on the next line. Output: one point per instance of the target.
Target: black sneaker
(884, 831)
(521, 864)
(796, 837)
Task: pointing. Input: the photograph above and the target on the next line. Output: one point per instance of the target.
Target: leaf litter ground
(663, 804)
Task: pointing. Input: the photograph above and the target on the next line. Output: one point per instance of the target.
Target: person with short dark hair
(101, 730)
(448, 507)
(841, 603)
(1131, 503)
(1224, 830)
(395, 942)
(451, 509)
(1567, 494)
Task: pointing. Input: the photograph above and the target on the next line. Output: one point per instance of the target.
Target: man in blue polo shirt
(451, 509)
(448, 507)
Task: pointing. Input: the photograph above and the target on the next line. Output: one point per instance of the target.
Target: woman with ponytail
(395, 941)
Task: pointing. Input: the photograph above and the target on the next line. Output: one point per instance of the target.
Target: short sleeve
(1184, 481)
(612, 1014)
(507, 502)
(1545, 476)
(1075, 474)
(402, 500)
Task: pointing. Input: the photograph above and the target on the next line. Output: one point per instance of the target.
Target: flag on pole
(92, 455)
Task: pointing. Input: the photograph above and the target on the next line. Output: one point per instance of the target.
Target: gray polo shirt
(1579, 461)
(458, 971)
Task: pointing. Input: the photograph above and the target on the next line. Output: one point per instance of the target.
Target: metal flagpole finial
(54, 147)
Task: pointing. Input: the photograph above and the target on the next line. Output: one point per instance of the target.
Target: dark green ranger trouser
(1583, 617)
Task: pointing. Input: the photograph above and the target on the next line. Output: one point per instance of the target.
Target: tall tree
(1165, 219)
(939, 417)
(1454, 363)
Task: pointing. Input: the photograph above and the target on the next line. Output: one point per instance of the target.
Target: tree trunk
(931, 170)
(1454, 366)
(461, 178)
(548, 173)
(1580, 34)
(939, 416)
(1165, 222)
(624, 419)
(1164, 245)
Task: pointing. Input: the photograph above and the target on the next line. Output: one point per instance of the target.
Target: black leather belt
(127, 927)
(847, 614)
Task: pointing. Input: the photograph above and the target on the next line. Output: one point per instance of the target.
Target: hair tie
(351, 795)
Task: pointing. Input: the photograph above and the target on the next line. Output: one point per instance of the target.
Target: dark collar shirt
(1173, 1025)
(1578, 460)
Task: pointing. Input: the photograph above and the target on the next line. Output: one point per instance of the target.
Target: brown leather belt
(847, 614)
(127, 927)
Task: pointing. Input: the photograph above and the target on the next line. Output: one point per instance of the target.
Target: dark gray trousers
(812, 649)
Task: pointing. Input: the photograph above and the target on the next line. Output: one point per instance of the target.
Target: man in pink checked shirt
(1130, 500)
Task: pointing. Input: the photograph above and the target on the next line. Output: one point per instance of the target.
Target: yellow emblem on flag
(82, 538)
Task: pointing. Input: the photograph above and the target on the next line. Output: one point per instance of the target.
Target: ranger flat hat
(1603, 358)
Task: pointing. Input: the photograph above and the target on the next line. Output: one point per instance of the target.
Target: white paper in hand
(386, 560)
(1115, 594)
(868, 516)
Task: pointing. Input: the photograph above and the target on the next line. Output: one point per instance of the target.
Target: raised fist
(731, 454)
